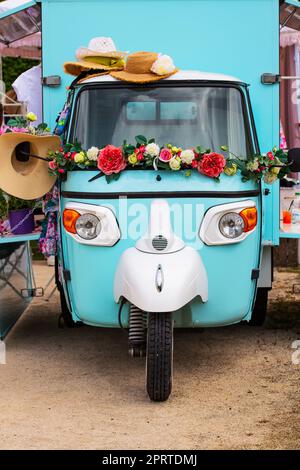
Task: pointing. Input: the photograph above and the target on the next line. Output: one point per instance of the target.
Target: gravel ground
(234, 387)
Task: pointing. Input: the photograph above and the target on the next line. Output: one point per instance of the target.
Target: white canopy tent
(22, 37)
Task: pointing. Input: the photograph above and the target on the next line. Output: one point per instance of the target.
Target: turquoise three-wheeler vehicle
(155, 250)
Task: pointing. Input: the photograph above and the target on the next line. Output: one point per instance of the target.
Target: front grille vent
(159, 243)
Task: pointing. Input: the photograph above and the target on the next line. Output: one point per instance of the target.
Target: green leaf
(12, 123)
(140, 139)
(151, 141)
(113, 177)
(129, 149)
(199, 149)
(224, 148)
(42, 127)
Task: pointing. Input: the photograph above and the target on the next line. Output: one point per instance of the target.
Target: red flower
(111, 160)
(52, 165)
(212, 165)
(270, 155)
(195, 164)
(142, 149)
(61, 170)
(73, 155)
(140, 157)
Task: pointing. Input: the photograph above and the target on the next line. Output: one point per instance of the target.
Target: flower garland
(146, 154)
(25, 125)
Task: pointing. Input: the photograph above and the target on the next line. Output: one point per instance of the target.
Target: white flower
(175, 164)
(163, 65)
(92, 154)
(152, 150)
(253, 165)
(31, 130)
(187, 156)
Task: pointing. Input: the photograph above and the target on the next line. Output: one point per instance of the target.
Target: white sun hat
(100, 47)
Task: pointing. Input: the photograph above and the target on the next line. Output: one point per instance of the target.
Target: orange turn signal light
(249, 217)
(69, 220)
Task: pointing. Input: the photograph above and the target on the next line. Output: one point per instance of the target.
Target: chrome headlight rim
(95, 228)
(238, 227)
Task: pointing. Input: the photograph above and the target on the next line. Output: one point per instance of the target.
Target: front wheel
(159, 356)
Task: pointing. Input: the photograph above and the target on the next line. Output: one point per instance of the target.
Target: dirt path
(234, 387)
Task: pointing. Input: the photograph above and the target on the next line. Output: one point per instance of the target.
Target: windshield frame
(250, 129)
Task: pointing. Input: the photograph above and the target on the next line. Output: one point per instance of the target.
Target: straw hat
(26, 179)
(101, 54)
(100, 47)
(146, 67)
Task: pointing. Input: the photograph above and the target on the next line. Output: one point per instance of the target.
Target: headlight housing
(231, 225)
(88, 226)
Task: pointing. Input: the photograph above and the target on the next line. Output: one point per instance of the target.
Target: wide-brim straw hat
(100, 47)
(138, 68)
(76, 68)
(31, 179)
(100, 55)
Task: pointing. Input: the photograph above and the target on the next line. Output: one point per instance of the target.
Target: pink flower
(3, 129)
(212, 165)
(111, 160)
(61, 171)
(270, 155)
(52, 165)
(165, 155)
(19, 129)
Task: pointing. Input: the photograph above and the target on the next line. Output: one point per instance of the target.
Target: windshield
(209, 116)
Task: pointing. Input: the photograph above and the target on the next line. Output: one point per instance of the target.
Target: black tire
(260, 308)
(159, 356)
(65, 318)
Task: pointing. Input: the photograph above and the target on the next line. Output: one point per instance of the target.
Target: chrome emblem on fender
(159, 278)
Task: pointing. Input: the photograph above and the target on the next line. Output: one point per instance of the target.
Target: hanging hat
(146, 67)
(101, 54)
(27, 178)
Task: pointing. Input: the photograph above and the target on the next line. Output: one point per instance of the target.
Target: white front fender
(160, 282)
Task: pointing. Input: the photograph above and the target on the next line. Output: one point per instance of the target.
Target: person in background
(28, 89)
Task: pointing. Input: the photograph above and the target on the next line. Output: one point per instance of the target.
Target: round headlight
(231, 225)
(88, 226)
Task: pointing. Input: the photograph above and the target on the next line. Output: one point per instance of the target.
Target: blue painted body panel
(229, 268)
(238, 38)
(208, 35)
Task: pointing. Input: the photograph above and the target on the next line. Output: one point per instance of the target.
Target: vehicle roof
(181, 75)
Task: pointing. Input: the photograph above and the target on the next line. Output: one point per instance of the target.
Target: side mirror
(294, 159)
